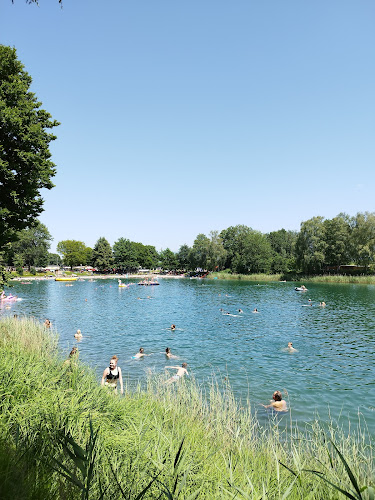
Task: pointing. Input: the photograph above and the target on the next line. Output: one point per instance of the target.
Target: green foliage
(248, 251)
(168, 260)
(31, 247)
(54, 259)
(75, 253)
(125, 255)
(183, 258)
(363, 238)
(311, 246)
(25, 165)
(102, 257)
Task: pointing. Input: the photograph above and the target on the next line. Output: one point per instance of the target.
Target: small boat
(148, 283)
(66, 278)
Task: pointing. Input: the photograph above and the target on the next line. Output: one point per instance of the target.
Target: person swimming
(112, 374)
(181, 372)
(47, 323)
(78, 335)
(255, 310)
(291, 348)
(173, 327)
(240, 311)
(278, 402)
(139, 354)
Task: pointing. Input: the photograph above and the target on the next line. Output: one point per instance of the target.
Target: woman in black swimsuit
(112, 374)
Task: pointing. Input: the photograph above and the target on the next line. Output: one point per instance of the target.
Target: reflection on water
(334, 364)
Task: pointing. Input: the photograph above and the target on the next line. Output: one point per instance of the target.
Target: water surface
(332, 372)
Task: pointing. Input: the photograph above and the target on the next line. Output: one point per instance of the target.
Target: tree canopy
(25, 165)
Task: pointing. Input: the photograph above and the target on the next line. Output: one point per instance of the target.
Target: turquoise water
(333, 371)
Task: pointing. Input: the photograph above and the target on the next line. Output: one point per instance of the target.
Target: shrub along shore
(65, 436)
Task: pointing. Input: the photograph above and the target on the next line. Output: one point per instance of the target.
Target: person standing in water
(278, 402)
(112, 374)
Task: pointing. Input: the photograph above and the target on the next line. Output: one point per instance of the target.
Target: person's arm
(105, 373)
(174, 367)
(120, 379)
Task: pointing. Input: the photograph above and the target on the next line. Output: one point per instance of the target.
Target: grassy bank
(328, 278)
(64, 436)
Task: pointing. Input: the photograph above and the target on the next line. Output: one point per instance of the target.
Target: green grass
(62, 435)
(226, 275)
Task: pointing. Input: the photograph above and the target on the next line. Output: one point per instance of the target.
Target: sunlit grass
(62, 435)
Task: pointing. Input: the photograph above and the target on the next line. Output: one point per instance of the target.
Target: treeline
(321, 245)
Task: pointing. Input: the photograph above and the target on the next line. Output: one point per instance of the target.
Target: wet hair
(141, 349)
(73, 352)
(167, 350)
(277, 396)
(184, 365)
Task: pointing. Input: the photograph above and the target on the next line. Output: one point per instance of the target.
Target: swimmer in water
(173, 327)
(255, 310)
(169, 354)
(112, 374)
(47, 323)
(140, 354)
(240, 311)
(322, 304)
(291, 348)
(78, 335)
(181, 371)
(278, 402)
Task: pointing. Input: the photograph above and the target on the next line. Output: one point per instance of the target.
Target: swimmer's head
(141, 350)
(73, 352)
(290, 344)
(184, 365)
(78, 332)
(167, 350)
(277, 396)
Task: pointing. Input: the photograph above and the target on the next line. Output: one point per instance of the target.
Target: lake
(333, 371)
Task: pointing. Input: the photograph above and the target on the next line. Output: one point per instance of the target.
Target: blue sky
(178, 118)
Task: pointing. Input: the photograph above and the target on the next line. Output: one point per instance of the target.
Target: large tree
(125, 255)
(25, 165)
(102, 256)
(311, 246)
(32, 246)
(74, 253)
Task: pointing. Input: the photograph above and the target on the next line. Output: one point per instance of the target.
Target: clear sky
(180, 117)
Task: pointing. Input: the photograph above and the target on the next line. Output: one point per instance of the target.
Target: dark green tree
(168, 260)
(311, 246)
(54, 259)
(125, 255)
(217, 254)
(25, 165)
(200, 251)
(183, 257)
(282, 244)
(337, 239)
(363, 239)
(102, 256)
(74, 253)
(32, 246)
